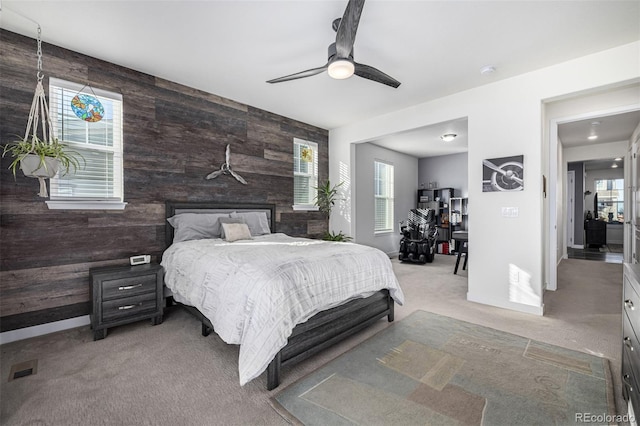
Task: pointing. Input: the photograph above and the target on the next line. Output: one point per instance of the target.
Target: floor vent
(23, 369)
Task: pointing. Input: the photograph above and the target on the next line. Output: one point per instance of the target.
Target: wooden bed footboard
(324, 329)
(327, 328)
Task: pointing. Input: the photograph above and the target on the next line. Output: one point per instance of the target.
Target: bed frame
(320, 331)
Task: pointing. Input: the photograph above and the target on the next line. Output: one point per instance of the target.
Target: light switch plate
(510, 212)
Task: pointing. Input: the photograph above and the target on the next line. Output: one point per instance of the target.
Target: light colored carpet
(431, 369)
(170, 374)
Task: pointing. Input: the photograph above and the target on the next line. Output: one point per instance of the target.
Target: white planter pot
(31, 166)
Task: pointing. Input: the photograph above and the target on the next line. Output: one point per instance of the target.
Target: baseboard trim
(42, 329)
(528, 309)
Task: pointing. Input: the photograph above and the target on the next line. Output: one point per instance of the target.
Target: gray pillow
(228, 220)
(257, 222)
(196, 226)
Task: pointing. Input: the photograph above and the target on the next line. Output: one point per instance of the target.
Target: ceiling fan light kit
(340, 63)
(341, 69)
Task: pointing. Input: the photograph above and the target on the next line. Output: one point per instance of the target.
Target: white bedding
(254, 292)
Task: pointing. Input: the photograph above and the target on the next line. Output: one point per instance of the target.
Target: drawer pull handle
(125, 307)
(129, 287)
(627, 341)
(629, 304)
(625, 379)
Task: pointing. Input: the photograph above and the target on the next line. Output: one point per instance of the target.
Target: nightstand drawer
(122, 308)
(129, 286)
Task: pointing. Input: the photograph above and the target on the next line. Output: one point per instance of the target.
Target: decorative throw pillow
(257, 222)
(224, 220)
(196, 226)
(236, 231)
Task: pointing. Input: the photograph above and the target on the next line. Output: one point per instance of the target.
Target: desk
(463, 238)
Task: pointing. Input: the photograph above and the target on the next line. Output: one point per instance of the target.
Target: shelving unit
(438, 199)
(459, 213)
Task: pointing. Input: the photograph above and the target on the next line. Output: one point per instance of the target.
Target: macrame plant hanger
(39, 115)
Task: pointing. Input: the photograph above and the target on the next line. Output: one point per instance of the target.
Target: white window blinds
(100, 175)
(383, 197)
(305, 172)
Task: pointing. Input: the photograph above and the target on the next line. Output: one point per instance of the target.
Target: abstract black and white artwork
(503, 174)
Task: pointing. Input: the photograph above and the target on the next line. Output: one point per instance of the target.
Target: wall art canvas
(503, 174)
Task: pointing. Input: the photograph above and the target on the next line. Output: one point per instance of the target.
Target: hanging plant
(38, 158)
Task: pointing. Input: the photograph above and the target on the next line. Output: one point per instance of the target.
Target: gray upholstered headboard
(176, 207)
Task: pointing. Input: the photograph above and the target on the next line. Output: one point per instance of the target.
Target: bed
(278, 297)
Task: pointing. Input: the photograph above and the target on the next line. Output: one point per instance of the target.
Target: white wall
(405, 194)
(505, 119)
(450, 171)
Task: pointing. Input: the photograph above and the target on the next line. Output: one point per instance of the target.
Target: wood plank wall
(173, 137)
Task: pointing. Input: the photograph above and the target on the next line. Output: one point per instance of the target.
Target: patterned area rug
(430, 369)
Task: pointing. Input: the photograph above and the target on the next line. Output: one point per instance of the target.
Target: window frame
(389, 197)
(617, 186)
(62, 202)
(313, 176)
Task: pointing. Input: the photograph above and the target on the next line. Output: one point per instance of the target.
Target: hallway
(611, 253)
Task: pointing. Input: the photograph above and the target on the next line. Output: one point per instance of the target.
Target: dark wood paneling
(173, 137)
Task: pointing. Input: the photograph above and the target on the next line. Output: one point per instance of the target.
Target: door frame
(571, 210)
(551, 258)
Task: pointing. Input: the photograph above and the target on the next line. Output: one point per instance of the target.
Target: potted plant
(331, 236)
(325, 200)
(41, 159)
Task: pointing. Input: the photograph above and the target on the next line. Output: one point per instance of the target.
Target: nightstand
(124, 294)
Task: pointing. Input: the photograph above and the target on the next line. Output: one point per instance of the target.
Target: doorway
(571, 113)
(598, 207)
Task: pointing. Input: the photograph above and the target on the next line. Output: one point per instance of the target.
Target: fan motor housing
(332, 53)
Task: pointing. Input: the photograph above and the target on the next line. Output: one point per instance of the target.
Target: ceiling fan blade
(238, 177)
(371, 73)
(346, 34)
(214, 174)
(301, 74)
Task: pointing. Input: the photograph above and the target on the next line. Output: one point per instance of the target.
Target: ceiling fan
(340, 64)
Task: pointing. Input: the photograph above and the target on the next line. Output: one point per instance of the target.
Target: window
(98, 182)
(383, 194)
(305, 174)
(610, 194)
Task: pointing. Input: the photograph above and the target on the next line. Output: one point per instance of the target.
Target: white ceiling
(609, 128)
(230, 48)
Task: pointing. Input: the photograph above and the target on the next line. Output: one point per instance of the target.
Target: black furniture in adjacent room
(462, 242)
(124, 294)
(595, 233)
(438, 199)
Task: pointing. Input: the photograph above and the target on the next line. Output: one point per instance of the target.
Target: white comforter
(254, 292)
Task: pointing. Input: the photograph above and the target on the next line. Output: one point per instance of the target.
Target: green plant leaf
(20, 148)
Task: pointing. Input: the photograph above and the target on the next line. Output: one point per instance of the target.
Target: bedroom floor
(170, 374)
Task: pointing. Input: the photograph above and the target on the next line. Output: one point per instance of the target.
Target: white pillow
(256, 221)
(236, 231)
(228, 220)
(196, 226)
